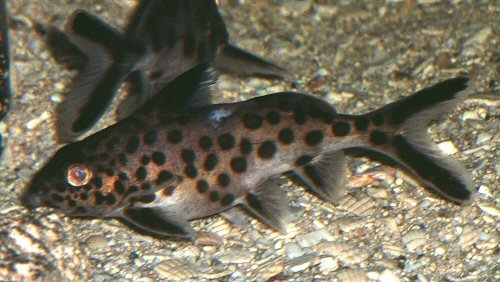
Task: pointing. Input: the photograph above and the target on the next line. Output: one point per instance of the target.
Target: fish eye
(78, 175)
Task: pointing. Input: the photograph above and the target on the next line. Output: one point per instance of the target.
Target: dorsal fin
(190, 89)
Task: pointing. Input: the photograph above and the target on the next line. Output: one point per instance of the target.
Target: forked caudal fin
(401, 135)
(106, 53)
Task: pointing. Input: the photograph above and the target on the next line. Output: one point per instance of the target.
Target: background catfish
(162, 40)
(180, 158)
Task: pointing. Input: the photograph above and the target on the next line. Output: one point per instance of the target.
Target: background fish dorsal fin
(190, 89)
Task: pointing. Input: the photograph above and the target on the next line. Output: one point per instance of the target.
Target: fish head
(66, 182)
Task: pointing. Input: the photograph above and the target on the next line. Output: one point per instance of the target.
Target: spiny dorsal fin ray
(190, 89)
(326, 176)
(268, 202)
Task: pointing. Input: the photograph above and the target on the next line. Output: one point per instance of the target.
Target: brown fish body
(162, 166)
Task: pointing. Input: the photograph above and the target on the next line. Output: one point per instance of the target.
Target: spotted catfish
(162, 40)
(180, 158)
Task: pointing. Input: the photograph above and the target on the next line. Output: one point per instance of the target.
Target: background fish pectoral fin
(326, 176)
(268, 202)
(157, 222)
(235, 60)
(139, 93)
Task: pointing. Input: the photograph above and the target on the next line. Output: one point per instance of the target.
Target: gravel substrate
(358, 55)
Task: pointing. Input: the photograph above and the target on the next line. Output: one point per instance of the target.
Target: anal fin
(155, 221)
(235, 60)
(326, 176)
(268, 202)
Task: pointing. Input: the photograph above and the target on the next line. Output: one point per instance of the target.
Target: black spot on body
(286, 136)
(267, 150)
(303, 160)
(314, 137)
(150, 137)
(205, 143)
(379, 138)
(163, 176)
(246, 146)
(223, 180)
(202, 186)
(132, 144)
(226, 141)
(252, 120)
(211, 162)
(273, 117)
(141, 173)
(227, 199)
(214, 196)
(188, 156)
(119, 187)
(174, 136)
(239, 164)
(191, 171)
(72, 203)
(361, 123)
(146, 199)
(300, 117)
(158, 158)
(145, 159)
(341, 128)
(168, 191)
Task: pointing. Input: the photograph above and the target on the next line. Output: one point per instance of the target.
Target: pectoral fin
(326, 176)
(268, 202)
(156, 221)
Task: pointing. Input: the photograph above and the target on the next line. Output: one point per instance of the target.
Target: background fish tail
(402, 136)
(109, 56)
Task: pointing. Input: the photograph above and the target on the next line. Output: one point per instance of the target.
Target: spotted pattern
(246, 146)
(286, 136)
(267, 150)
(314, 137)
(273, 117)
(252, 120)
(211, 162)
(303, 160)
(239, 164)
(205, 143)
(158, 158)
(223, 180)
(188, 156)
(202, 186)
(150, 137)
(361, 123)
(141, 173)
(163, 176)
(226, 141)
(191, 171)
(214, 196)
(174, 136)
(341, 128)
